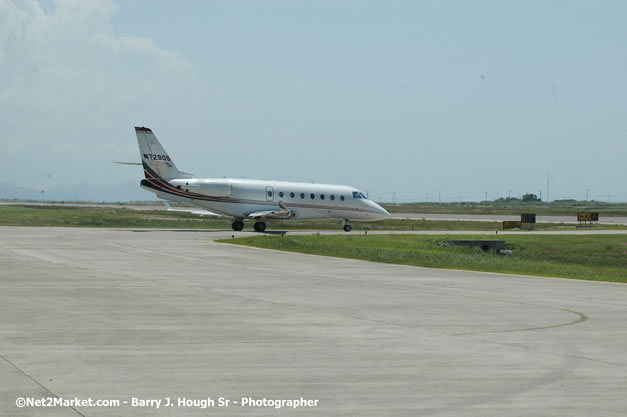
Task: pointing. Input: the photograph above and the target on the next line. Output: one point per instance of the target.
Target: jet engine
(208, 187)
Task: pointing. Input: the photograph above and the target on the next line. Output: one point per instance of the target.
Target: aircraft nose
(384, 212)
(381, 212)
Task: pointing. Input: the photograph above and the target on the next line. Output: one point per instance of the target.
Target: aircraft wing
(193, 211)
(282, 213)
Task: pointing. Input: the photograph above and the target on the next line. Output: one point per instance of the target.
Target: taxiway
(115, 314)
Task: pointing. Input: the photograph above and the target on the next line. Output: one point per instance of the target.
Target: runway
(122, 314)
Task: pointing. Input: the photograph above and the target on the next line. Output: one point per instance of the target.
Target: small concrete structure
(485, 245)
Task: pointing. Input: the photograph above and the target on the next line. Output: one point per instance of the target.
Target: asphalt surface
(122, 314)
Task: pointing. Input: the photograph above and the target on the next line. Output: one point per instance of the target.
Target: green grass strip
(68, 216)
(587, 257)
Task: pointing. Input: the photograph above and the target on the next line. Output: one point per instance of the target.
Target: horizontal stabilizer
(128, 163)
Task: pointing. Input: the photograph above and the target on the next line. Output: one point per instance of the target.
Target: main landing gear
(237, 225)
(347, 227)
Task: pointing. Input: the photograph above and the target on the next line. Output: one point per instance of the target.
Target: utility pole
(548, 186)
(486, 196)
(587, 191)
(439, 198)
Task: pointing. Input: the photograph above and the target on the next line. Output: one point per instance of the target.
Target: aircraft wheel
(237, 225)
(347, 228)
(260, 227)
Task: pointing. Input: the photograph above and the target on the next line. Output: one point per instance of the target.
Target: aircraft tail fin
(155, 159)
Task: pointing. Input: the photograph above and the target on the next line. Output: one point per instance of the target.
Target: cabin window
(292, 195)
(280, 193)
(332, 197)
(321, 196)
(269, 193)
(312, 195)
(302, 195)
(342, 197)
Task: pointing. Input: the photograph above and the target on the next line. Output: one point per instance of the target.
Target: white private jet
(256, 200)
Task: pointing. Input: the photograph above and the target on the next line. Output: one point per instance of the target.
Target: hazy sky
(412, 97)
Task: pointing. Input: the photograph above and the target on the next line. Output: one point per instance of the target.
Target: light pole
(548, 186)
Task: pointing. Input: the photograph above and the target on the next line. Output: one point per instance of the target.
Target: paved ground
(111, 314)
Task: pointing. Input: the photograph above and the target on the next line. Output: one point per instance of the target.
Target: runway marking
(548, 352)
(581, 318)
(32, 254)
(567, 365)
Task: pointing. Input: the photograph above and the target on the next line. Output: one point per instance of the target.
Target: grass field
(569, 208)
(509, 207)
(589, 257)
(61, 216)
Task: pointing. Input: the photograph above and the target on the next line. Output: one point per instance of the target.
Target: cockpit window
(357, 194)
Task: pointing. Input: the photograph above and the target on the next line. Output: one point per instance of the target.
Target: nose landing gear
(347, 227)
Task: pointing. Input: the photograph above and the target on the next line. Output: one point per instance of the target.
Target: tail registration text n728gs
(257, 200)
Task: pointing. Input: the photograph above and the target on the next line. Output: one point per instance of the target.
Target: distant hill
(129, 191)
